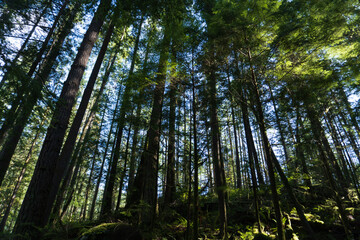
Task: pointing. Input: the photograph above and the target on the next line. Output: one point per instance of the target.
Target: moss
(102, 228)
(71, 230)
(110, 231)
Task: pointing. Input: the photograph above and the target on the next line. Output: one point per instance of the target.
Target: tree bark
(38, 201)
(67, 150)
(22, 92)
(8, 149)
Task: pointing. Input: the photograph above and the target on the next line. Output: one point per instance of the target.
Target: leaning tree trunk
(21, 93)
(38, 201)
(68, 148)
(350, 134)
(272, 160)
(338, 146)
(37, 84)
(251, 148)
(326, 154)
(267, 152)
(321, 138)
(13, 63)
(280, 128)
(19, 180)
(345, 101)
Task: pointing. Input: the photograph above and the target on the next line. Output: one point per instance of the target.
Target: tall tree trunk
(56, 211)
(189, 198)
(68, 148)
(280, 128)
(299, 149)
(94, 158)
(123, 174)
(196, 164)
(217, 157)
(73, 176)
(252, 153)
(185, 161)
(246, 121)
(252, 156)
(150, 154)
(326, 154)
(92, 209)
(320, 136)
(267, 151)
(19, 180)
(11, 114)
(350, 135)
(134, 150)
(210, 170)
(349, 161)
(346, 102)
(237, 157)
(8, 149)
(13, 63)
(338, 147)
(88, 185)
(271, 159)
(170, 189)
(124, 109)
(145, 183)
(38, 201)
(139, 99)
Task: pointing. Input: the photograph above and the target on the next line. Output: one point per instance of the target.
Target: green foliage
(250, 235)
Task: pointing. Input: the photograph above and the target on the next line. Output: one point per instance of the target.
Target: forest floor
(321, 212)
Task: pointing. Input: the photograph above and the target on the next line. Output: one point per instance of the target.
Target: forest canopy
(179, 119)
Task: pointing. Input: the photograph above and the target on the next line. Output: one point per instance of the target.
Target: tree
(37, 204)
(214, 118)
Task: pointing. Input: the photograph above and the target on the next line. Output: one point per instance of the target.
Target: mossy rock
(112, 231)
